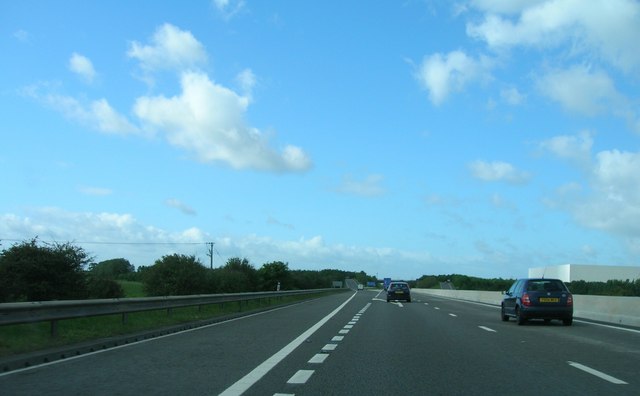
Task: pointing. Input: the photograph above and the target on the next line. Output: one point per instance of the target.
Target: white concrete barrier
(618, 310)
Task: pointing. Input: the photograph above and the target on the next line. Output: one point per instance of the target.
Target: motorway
(356, 343)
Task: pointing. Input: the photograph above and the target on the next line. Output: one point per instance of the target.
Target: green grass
(16, 339)
(132, 289)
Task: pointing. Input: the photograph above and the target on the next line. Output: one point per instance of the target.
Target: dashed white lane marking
(254, 376)
(329, 347)
(284, 394)
(348, 327)
(343, 331)
(436, 308)
(318, 358)
(597, 373)
(301, 377)
(487, 329)
(454, 315)
(352, 323)
(337, 338)
(426, 303)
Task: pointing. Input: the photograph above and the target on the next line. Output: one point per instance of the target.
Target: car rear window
(399, 286)
(545, 285)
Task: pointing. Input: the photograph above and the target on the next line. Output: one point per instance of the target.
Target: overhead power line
(115, 243)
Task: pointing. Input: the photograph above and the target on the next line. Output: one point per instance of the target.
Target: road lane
(204, 361)
(431, 346)
(418, 349)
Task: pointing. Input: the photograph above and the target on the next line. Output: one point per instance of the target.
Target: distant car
(398, 291)
(360, 286)
(538, 298)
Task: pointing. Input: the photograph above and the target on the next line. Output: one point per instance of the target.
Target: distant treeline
(33, 271)
(463, 282)
(608, 288)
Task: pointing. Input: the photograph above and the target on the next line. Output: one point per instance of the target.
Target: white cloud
(82, 66)
(442, 75)
(602, 29)
(579, 89)
(22, 35)
(574, 148)
(504, 7)
(97, 114)
(181, 206)
(498, 171)
(105, 235)
(512, 96)
(610, 201)
(614, 204)
(171, 48)
(229, 8)
(247, 80)
(369, 187)
(208, 120)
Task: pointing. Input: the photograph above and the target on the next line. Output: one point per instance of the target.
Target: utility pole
(210, 253)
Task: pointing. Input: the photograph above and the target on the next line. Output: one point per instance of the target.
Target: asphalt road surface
(356, 344)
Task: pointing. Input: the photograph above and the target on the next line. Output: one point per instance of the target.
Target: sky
(398, 138)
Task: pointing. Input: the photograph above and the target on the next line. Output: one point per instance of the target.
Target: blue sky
(399, 138)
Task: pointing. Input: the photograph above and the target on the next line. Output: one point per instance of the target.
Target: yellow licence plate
(549, 299)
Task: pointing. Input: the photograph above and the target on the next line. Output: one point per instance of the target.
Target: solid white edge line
(597, 373)
(301, 377)
(254, 376)
(487, 329)
(607, 326)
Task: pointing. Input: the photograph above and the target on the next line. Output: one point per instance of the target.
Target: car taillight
(569, 299)
(526, 301)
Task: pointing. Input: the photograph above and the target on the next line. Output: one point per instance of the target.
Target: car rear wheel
(519, 318)
(504, 317)
(567, 322)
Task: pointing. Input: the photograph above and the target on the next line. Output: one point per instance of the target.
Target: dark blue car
(538, 298)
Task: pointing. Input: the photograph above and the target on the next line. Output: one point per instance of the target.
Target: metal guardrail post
(54, 328)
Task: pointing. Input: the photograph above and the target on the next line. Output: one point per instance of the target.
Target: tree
(271, 274)
(118, 268)
(103, 288)
(175, 275)
(238, 275)
(31, 272)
